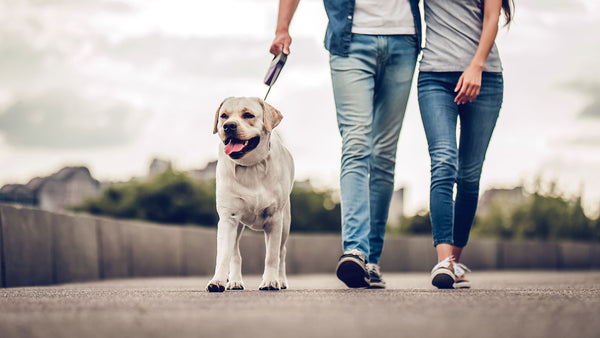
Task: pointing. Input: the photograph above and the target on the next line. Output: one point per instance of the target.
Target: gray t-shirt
(452, 36)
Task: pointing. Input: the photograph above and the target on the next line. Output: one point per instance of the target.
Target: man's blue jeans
(371, 88)
(451, 218)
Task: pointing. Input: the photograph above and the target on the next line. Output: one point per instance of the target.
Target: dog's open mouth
(237, 148)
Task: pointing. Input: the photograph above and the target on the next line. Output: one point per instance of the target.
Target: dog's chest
(256, 218)
(253, 201)
(258, 202)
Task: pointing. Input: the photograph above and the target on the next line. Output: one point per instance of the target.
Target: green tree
(171, 197)
(419, 224)
(314, 211)
(547, 216)
(496, 223)
(541, 215)
(596, 229)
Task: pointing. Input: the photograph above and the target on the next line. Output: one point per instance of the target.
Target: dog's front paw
(284, 284)
(215, 286)
(235, 285)
(269, 285)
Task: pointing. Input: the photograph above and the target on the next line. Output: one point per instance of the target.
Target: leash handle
(274, 70)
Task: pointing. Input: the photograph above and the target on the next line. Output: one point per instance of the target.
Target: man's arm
(282, 40)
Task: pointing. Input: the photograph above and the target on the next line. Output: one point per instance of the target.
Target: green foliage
(539, 217)
(496, 223)
(175, 198)
(545, 216)
(169, 198)
(419, 224)
(314, 211)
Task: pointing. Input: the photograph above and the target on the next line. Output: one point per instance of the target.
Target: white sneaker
(442, 274)
(461, 282)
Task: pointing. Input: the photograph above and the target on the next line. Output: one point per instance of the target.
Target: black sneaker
(375, 280)
(352, 269)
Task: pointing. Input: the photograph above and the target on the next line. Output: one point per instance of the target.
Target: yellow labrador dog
(255, 173)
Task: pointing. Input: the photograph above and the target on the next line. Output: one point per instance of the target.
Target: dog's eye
(248, 116)
(223, 116)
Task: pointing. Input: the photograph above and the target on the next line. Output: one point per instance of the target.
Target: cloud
(587, 140)
(38, 49)
(19, 61)
(552, 4)
(65, 120)
(590, 90)
(115, 46)
(191, 56)
(592, 110)
(78, 4)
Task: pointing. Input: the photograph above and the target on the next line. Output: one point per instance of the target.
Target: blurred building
(158, 166)
(209, 172)
(396, 208)
(68, 187)
(71, 186)
(506, 199)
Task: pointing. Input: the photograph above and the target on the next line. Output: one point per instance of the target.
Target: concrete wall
(41, 248)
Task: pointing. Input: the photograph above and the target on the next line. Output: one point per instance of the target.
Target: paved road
(501, 304)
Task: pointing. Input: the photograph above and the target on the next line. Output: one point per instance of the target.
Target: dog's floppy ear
(271, 116)
(215, 130)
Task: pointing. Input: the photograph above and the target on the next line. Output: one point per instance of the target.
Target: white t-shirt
(382, 17)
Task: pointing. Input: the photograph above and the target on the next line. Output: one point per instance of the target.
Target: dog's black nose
(230, 127)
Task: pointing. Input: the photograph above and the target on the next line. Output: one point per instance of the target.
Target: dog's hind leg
(287, 219)
(283, 283)
(273, 232)
(235, 266)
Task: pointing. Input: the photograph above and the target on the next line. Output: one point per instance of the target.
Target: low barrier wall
(40, 248)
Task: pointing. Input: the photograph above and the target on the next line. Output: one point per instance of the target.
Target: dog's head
(244, 124)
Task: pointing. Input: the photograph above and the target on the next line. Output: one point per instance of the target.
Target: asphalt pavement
(500, 304)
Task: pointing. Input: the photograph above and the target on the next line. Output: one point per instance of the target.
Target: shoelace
(460, 269)
(443, 264)
(355, 253)
(373, 267)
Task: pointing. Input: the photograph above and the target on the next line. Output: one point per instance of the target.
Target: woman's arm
(282, 40)
(470, 81)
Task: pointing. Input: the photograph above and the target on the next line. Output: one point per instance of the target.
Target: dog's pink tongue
(233, 147)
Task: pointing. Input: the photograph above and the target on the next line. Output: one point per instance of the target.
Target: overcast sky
(112, 84)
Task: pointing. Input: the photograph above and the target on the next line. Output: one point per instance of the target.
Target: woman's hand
(469, 82)
(468, 85)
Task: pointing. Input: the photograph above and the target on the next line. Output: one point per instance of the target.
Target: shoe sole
(442, 279)
(462, 285)
(352, 274)
(377, 285)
